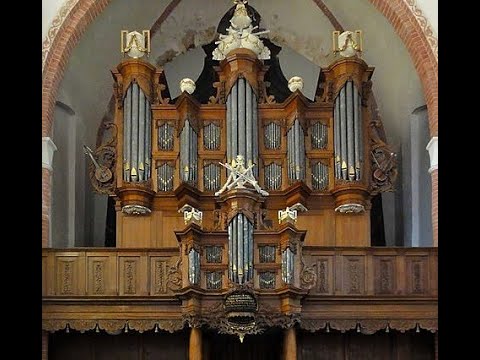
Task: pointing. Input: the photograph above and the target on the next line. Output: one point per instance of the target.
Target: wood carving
(220, 97)
(102, 166)
(174, 277)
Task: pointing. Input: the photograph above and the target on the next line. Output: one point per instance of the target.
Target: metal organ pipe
(350, 132)
(188, 154)
(357, 122)
(137, 119)
(242, 139)
(343, 134)
(348, 139)
(240, 249)
(296, 152)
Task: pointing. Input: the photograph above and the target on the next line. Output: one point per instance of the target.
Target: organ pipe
(296, 152)
(240, 249)
(348, 137)
(136, 135)
(242, 122)
(188, 154)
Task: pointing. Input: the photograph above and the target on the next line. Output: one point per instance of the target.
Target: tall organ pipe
(240, 249)
(242, 124)
(188, 154)
(137, 119)
(348, 139)
(296, 152)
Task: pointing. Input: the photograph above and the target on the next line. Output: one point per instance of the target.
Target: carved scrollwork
(263, 97)
(102, 173)
(158, 95)
(429, 324)
(366, 91)
(343, 324)
(112, 327)
(384, 163)
(369, 327)
(219, 97)
(171, 325)
(118, 89)
(308, 276)
(141, 325)
(81, 325)
(54, 325)
(403, 325)
(312, 325)
(174, 277)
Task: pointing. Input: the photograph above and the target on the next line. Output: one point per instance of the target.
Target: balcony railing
(326, 272)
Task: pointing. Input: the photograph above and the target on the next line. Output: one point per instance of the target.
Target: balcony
(107, 288)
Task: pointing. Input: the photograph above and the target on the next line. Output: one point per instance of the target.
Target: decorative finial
(135, 44)
(348, 43)
(187, 85)
(295, 83)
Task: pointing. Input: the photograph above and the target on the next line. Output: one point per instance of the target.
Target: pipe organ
(244, 183)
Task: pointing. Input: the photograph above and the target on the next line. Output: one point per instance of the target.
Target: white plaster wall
(50, 8)
(430, 11)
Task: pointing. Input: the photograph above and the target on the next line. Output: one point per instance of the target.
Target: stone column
(195, 346)
(48, 148)
(290, 344)
(432, 148)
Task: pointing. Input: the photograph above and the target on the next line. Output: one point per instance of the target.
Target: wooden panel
(320, 226)
(325, 275)
(352, 229)
(385, 271)
(171, 223)
(70, 273)
(132, 275)
(417, 275)
(136, 231)
(353, 275)
(101, 274)
(158, 275)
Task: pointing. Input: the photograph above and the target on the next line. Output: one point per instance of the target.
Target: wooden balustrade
(326, 272)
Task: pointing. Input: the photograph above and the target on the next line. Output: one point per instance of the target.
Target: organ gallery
(243, 213)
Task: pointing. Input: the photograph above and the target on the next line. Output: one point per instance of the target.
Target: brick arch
(400, 13)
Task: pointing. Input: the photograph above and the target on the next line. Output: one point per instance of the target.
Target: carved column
(290, 344)
(195, 346)
(436, 345)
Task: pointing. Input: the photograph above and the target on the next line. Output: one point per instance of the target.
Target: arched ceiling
(300, 27)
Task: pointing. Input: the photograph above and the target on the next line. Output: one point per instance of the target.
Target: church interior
(239, 180)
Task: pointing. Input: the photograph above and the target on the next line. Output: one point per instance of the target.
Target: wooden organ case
(242, 205)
